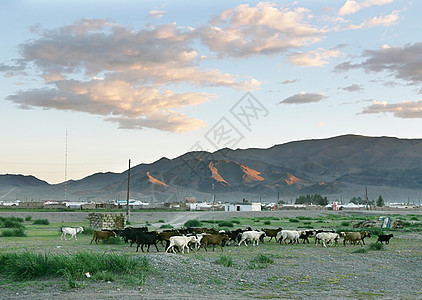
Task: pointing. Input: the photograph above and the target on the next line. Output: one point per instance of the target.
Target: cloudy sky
(141, 80)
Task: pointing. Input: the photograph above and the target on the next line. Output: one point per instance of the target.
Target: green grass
(210, 221)
(192, 223)
(14, 232)
(12, 223)
(115, 240)
(225, 224)
(304, 218)
(260, 261)
(46, 239)
(30, 265)
(12, 218)
(376, 247)
(225, 260)
(360, 250)
(166, 226)
(41, 222)
(88, 230)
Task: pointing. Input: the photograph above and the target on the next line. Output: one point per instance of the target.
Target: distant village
(190, 203)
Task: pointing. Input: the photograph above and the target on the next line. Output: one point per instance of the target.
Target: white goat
(71, 231)
(252, 236)
(181, 242)
(327, 238)
(291, 235)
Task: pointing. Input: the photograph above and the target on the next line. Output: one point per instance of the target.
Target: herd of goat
(196, 238)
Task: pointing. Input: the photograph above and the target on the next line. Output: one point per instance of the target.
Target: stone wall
(101, 221)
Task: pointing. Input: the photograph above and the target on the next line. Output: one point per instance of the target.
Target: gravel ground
(178, 218)
(298, 271)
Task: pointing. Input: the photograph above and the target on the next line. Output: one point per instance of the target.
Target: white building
(200, 206)
(243, 206)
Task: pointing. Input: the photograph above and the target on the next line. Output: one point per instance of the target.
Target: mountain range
(339, 167)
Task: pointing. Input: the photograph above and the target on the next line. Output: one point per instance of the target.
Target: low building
(242, 206)
(200, 206)
(30, 205)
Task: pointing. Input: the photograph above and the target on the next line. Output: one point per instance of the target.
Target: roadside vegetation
(74, 268)
(32, 250)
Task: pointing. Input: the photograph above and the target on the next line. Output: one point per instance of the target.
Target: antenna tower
(65, 171)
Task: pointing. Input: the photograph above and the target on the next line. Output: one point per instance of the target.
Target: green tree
(357, 200)
(314, 199)
(380, 201)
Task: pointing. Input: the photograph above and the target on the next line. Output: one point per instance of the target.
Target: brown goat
(102, 235)
(165, 236)
(353, 237)
(214, 239)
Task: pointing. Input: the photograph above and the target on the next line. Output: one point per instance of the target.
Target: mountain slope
(336, 167)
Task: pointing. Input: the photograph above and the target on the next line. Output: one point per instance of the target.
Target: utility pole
(367, 200)
(127, 199)
(213, 196)
(65, 171)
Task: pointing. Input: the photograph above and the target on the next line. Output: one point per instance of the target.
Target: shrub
(115, 240)
(304, 218)
(345, 229)
(192, 223)
(236, 221)
(376, 246)
(161, 221)
(260, 261)
(360, 250)
(88, 230)
(12, 223)
(17, 219)
(30, 265)
(308, 226)
(41, 222)
(225, 224)
(292, 220)
(28, 218)
(307, 223)
(373, 230)
(414, 218)
(267, 222)
(15, 232)
(209, 221)
(225, 260)
(345, 224)
(166, 226)
(104, 276)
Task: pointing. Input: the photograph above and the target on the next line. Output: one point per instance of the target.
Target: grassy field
(271, 266)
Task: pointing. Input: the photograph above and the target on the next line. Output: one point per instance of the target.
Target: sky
(87, 85)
